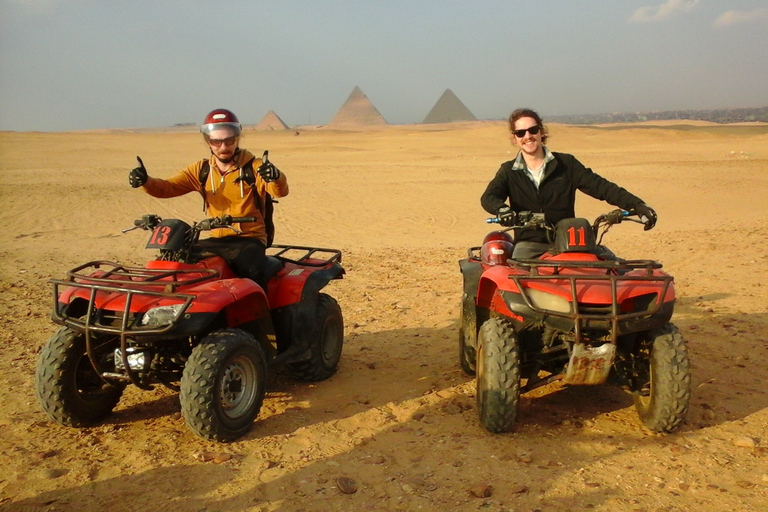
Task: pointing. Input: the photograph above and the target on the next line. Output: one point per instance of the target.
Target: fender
(492, 282)
(471, 270)
(294, 308)
(239, 299)
(291, 283)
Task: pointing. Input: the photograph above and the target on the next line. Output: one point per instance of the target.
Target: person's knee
(251, 261)
(529, 250)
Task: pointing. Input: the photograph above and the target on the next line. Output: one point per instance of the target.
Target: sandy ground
(399, 416)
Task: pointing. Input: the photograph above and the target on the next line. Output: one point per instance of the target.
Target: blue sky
(82, 64)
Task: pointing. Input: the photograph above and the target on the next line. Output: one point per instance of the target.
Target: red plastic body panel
(495, 278)
(242, 299)
(588, 291)
(286, 287)
(216, 263)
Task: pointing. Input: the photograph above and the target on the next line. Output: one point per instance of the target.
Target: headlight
(548, 302)
(161, 315)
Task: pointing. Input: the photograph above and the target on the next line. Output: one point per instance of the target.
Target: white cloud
(730, 18)
(650, 13)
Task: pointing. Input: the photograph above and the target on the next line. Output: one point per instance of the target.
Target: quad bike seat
(574, 235)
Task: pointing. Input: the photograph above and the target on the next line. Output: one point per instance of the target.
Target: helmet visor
(234, 128)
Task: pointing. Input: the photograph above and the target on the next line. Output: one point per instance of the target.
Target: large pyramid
(357, 111)
(449, 109)
(271, 121)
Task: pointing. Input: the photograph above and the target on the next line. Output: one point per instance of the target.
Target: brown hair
(527, 112)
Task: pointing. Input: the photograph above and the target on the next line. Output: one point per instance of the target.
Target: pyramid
(357, 111)
(271, 121)
(449, 109)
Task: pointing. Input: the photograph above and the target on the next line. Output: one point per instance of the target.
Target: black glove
(138, 176)
(647, 215)
(507, 217)
(268, 172)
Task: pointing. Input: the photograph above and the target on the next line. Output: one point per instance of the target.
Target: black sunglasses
(533, 130)
(218, 142)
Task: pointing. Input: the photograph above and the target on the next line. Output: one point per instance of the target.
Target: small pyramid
(357, 111)
(449, 109)
(271, 121)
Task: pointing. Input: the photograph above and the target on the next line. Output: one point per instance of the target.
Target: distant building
(271, 121)
(357, 111)
(449, 109)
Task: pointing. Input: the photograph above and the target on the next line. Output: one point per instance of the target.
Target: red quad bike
(188, 322)
(576, 314)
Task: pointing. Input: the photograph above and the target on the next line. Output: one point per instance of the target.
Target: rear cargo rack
(308, 256)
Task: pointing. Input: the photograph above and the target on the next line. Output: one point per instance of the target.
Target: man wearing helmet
(229, 186)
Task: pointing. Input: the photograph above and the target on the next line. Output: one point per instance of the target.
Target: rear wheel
(498, 375)
(326, 343)
(223, 385)
(67, 387)
(665, 391)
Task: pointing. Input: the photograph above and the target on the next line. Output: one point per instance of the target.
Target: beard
(226, 160)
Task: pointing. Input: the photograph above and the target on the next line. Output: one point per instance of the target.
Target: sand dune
(402, 202)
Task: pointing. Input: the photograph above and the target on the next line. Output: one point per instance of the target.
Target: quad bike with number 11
(576, 314)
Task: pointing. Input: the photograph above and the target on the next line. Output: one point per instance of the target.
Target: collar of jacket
(241, 158)
(519, 164)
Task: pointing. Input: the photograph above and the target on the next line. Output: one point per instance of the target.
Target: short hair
(527, 112)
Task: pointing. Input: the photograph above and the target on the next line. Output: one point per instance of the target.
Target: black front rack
(138, 277)
(131, 281)
(580, 318)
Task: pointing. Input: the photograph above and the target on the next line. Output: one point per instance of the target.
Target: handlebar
(151, 221)
(613, 217)
(524, 219)
(616, 217)
(147, 222)
(530, 219)
(225, 221)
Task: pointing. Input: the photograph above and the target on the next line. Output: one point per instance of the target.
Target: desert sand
(399, 417)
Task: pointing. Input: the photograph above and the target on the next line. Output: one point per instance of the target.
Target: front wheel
(665, 391)
(67, 387)
(326, 343)
(498, 375)
(223, 385)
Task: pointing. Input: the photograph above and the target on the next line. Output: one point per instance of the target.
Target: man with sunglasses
(541, 181)
(229, 186)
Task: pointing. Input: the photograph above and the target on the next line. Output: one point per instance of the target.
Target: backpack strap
(267, 209)
(205, 169)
